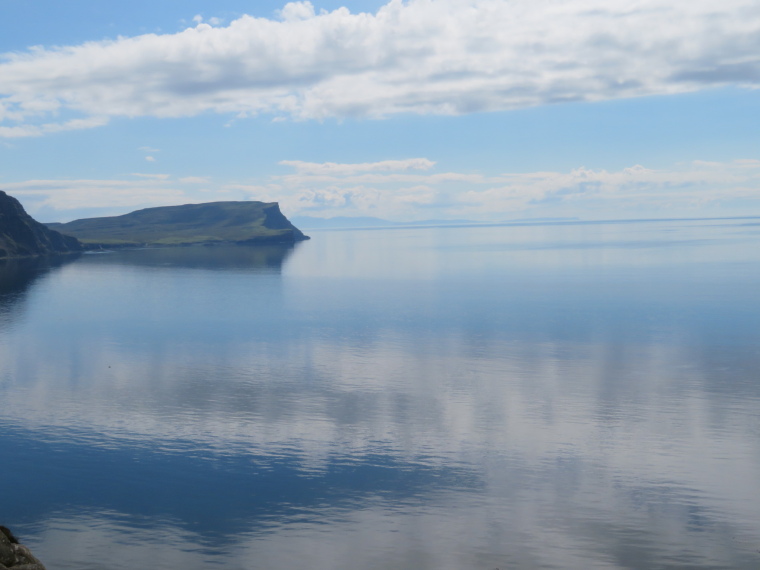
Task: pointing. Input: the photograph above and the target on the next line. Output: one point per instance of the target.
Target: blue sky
(479, 109)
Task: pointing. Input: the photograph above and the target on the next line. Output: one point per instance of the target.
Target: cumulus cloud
(419, 56)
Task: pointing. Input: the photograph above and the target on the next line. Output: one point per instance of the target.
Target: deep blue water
(535, 396)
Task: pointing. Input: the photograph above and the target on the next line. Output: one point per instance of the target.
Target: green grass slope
(190, 224)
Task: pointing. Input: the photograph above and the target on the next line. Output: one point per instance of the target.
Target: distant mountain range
(189, 224)
(23, 236)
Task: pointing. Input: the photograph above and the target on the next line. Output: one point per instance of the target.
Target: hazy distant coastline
(355, 223)
(367, 222)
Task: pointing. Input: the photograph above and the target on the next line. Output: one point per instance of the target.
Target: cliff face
(22, 236)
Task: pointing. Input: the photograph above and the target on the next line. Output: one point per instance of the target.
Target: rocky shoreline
(16, 556)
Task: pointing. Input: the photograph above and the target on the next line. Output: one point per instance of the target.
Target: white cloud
(420, 56)
(628, 192)
(153, 176)
(337, 169)
(150, 159)
(295, 11)
(194, 180)
(699, 188)
(64, 200)
(748, 163)
(24, 130)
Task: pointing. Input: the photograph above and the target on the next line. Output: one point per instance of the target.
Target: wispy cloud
(153, 176)
(338, 169)
(31, 130)
(446, 57)
(698, 188)
(194, 180)
(63, 200)
(66, 195)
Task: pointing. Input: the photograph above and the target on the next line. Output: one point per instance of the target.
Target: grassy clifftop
(190, 224)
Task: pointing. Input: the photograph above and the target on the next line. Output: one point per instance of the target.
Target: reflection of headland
(265, 258)
(18, 275)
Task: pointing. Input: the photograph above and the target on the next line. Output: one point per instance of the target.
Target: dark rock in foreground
(23, 236)
(16, 556)
(244, 223)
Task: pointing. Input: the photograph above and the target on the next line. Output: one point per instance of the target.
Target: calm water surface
(556, 396)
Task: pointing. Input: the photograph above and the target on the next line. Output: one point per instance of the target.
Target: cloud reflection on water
(263, 417)
(554, 436)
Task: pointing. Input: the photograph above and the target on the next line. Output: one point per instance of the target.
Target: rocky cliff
(15, 556)
(22, 236)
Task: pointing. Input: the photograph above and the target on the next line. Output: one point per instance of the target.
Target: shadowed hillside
(190, 224)
(23, 236)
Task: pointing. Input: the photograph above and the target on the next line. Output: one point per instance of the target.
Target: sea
(560, 395)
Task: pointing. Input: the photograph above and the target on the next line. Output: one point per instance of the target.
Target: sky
(486, 110)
